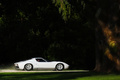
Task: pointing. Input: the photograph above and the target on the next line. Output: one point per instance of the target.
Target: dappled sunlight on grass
(100, 77)
(28, 76)
(58, 76)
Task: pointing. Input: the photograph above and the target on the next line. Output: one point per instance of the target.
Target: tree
(107, 30)
(108, 58)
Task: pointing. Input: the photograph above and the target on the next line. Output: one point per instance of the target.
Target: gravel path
(9, 70)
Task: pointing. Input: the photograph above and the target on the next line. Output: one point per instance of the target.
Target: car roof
(37, 58)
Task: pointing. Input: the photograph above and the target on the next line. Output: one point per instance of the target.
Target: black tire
(59, 67)
(28, 67)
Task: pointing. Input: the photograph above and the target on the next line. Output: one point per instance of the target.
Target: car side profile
(40, 63)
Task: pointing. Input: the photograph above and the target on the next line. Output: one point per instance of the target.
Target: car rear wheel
(28, 67)
(59, 67)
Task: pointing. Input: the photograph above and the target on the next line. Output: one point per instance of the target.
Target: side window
(40, 60)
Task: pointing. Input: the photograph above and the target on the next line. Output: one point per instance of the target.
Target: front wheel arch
(59, 67)
(28, 65)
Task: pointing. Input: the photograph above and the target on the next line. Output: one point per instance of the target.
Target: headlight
(16, 64)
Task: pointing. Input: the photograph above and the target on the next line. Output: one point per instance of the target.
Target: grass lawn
(58, 76)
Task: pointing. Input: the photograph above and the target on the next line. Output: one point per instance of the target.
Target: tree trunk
(108, 38)
(107, 53)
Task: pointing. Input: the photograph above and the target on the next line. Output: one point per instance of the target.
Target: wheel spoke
(60, 67)
(28, 66)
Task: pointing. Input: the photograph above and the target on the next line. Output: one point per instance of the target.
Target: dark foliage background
(35, 28)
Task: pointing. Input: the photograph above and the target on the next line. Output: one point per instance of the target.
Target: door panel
(43, 64)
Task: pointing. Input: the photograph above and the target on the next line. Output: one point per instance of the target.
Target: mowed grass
(58, 76)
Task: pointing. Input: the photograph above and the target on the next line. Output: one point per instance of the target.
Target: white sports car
(40, 63)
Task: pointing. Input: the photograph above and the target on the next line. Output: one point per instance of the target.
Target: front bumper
(16, 66)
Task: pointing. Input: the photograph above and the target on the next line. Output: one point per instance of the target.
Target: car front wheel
(59, 67)
(28, 67)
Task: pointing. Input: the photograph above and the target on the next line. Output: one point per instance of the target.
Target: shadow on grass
(45, 76)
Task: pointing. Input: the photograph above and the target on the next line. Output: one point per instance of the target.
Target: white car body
(41, 64)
